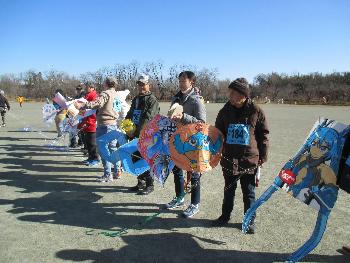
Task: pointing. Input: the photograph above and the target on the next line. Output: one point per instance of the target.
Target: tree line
(313, 88)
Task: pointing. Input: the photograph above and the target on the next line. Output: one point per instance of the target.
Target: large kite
(312, 176)
(154, 146)
(196, 147)
(126, 153)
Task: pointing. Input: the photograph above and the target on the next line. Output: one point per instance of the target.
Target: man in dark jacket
(4, 105)
(143, 108)
(246, 143)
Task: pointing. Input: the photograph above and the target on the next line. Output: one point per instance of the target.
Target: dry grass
(48, 200)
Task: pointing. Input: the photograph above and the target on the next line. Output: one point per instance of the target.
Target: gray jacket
(193, 106)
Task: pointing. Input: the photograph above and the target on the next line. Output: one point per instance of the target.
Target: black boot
(149, 189)
(149, 184)
(140, 185)
(225, 214)
(251, 227)
(221, 221)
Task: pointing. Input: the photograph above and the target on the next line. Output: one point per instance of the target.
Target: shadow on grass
(67, 202)
(75, 205)
(179, 247)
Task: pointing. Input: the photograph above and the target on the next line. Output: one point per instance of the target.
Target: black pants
(248, 190)
(90, 143)
(80, 138)
(180, 187)
(144, 177)
(83, 135)
(3, 116)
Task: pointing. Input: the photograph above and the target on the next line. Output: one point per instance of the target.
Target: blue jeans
(195, 185)
(112, 146)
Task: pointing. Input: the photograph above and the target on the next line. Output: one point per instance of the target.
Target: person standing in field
(245, 129)
(88, 128)
(143, 108)
(60, 116)
(20, 100)
(79, 93)
(107, 118)
(4, 106)
(193, 112)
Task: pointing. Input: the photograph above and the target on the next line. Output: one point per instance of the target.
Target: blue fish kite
(195, 143)
(124, 153)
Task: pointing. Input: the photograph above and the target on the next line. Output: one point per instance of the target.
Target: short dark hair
(60, 91)
(80, 86)
(188, 75)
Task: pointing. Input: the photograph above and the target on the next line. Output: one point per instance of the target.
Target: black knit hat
(241, 85)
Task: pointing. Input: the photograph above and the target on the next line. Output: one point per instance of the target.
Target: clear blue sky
(239, 38)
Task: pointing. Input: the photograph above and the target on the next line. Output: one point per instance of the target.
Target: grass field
(48, 200)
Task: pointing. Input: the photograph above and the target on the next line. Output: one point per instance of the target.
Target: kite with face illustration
(196, 147)
(311, 177)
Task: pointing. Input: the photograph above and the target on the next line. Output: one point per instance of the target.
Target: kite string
(139, 224)
(151, 217)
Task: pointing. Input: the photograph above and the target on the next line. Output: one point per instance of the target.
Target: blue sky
(239, 38)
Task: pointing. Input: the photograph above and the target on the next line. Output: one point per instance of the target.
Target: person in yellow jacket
(20, 100)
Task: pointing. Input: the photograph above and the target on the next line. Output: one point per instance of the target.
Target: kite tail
(315, 238)
(252, 210)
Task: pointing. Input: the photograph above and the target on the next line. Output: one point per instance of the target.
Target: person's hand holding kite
(80, 103)
(128, 127)
(175, 113)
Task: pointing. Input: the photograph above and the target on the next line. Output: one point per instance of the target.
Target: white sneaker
(191, 210)
(106, 178)
(175, 203)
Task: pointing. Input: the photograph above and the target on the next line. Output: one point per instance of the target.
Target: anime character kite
(312, 177)
(154, 146)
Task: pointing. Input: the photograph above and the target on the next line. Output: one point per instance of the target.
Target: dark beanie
(241, 85)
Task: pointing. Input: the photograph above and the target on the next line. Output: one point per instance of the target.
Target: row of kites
(162, 143)
(314, 175)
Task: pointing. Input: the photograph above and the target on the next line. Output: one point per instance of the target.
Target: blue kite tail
(134, 166)
(315, 238)
(103, 145)
(251, 211)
